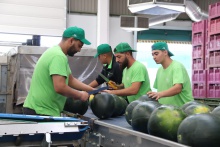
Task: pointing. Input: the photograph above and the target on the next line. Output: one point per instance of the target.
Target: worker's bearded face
(71, 51)
(124, 63)
(76, 47)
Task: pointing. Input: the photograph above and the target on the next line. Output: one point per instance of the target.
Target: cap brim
(134, 50)
(96, 55)
(170, 54)
(85, 41)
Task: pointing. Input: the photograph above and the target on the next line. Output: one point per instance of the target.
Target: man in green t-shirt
(135, 80)
(172, 81)
(52, 80)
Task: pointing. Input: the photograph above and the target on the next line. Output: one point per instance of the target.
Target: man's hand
(84, 96)
(109, 91)
(176, 89)
(155, 95)
(112, 85)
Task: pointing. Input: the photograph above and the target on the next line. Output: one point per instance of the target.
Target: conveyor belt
(117, 132)
(118, 121)
(26, 130)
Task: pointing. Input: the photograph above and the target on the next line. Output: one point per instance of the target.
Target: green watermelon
(197, 108)
(145, 97)
(188, 104)
(103, 105)
(164, 122)
(129, 109)
(91, 98)
(76, 106)
(124, 105)
(141, 114)
(200, 130)
(216, 111)
(118, 106)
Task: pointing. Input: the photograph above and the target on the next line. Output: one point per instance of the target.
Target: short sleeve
(155, 82)
(178, 77)
(59, 66)
(139, 74)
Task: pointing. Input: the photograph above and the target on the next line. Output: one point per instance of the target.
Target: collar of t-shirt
(110, 65)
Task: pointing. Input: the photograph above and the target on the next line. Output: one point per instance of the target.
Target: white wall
(38, 17)
(89, 24)
(117, 34)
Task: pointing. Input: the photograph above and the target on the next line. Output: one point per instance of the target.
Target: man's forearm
(126, 92)
(94, 84)
(76, 84)
(121, 86)
(176, 89)
(68, 92)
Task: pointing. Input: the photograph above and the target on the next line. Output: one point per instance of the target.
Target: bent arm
(76, 84)
(63, 89)
(174, 90)
(121, 86)
(132, 90)
(94, 84)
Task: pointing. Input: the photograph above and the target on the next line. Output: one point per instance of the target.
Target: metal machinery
(116, 132)
(45, 131)
(16, 69)
(5, 91)
(20, 130)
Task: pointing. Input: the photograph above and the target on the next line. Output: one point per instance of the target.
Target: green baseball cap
(161, 46)
(123, 47)
(102, 49)
(76, 33)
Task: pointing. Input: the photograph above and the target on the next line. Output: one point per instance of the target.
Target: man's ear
(126, 53)
(71, 40)
(166, 52)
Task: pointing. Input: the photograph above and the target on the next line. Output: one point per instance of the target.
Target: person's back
(175, 73)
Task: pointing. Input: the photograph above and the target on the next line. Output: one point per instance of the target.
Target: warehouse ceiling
(119, 7)
(203, 4)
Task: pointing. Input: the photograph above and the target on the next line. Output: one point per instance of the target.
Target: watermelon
(216, 111)
(76, 106)
(197, 108)
(103, 105)
(164, 122)
(188, 104)
(129, 109)
(141, 114)
(118, 106)
(146, 98)
(200, 130)
(124, 105)
(91, 98)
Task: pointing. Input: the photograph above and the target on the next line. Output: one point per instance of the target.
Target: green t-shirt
(41, 96)
(136, 73)
(175, 73)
